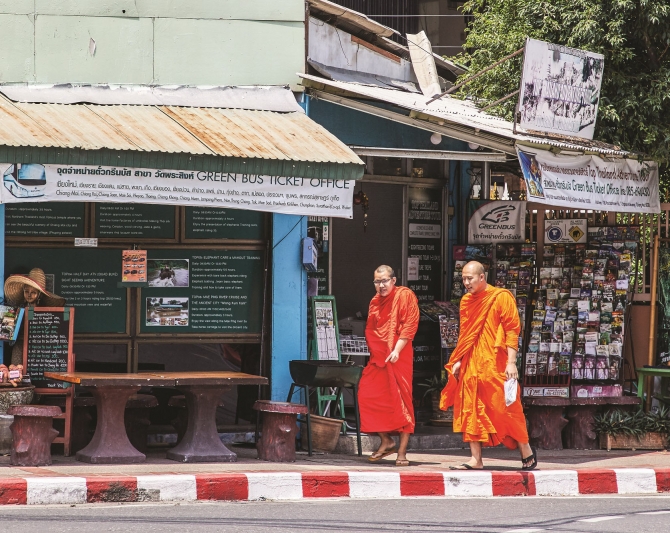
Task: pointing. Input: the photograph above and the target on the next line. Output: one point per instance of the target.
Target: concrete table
(580, 433)
(203, 390)
(545, 421)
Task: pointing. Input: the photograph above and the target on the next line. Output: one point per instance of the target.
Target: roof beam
(443, 155)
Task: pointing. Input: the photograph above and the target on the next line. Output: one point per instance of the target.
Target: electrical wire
(289, 232)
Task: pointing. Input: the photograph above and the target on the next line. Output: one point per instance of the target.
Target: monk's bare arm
(395, 354)
(511, 371)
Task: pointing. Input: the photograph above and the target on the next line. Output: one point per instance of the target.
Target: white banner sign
(590, 182)
(277, 194)
(498, 222)
(565, 230)
(560, 89)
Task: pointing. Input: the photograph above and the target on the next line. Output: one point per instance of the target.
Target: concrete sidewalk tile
(513, 483)
(168, 487)
(597, 481)
(374, 484)
(556, 482)
(111, 489)
(421, 484)
(636, 480)
(13, 491)
(50, 490)
(467, 483)
(225, 487)
(325, 484)
(275, 485)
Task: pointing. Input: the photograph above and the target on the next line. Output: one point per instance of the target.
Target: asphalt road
(497, 515)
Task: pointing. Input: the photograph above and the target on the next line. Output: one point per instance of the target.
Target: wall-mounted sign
(560, 89)
(569, 230)
(590, 182)
(82, 183)
(498, 221)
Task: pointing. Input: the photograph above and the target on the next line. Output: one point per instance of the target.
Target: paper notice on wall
(412, 268)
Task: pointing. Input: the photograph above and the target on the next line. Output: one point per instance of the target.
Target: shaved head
(475, 267)
(385, 269)
(474, 277)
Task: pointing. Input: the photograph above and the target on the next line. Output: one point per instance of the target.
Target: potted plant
(632, 431)
(433, 388)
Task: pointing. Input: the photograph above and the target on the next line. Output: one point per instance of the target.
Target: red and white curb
(305, 485)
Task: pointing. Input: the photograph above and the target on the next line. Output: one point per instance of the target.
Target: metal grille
(353, 346)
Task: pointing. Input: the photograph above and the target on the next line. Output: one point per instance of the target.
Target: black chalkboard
(215, 223)
(135, 221)
(45, 219)
(48, 344)
(86, 277)
(202, 292)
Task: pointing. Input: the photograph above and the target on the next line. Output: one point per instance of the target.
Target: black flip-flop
(532, 457)
(465, 466)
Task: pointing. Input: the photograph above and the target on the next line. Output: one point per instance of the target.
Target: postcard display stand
(577, 326)
(514, 271)
(49, 332)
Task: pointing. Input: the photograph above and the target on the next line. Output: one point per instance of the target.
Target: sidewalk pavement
(560, 473)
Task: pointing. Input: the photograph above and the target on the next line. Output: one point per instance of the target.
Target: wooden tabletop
(157, 379)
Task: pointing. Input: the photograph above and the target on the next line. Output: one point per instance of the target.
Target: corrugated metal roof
(234, 133)
(448, 110)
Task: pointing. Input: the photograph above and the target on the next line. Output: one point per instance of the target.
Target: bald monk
(484, 358)
(385, 389)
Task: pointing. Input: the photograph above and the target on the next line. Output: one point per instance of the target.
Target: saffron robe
(385, 389)
(489, 324)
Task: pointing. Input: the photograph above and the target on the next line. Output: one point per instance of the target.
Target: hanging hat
(36, 279)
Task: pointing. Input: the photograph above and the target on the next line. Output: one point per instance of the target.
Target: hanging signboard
(568, 230)
(590, 182)
(560, 89)
(81, 183)
(498, 222)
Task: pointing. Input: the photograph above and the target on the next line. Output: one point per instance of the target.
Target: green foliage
(634, 37)
(617, 422)
(434, 384)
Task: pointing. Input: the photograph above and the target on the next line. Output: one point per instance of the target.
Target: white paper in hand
(510, 391)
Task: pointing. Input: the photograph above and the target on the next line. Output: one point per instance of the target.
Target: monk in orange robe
(484, 358)
(385, 389)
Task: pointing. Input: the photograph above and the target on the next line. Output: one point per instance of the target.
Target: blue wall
(289, 301)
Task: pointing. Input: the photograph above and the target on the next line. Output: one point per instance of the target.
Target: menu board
(202, 292)
(45, 219)
(136, 221)
(425, 243)
(48, 344)
(318, 228)
(216, 223)
(86, 277)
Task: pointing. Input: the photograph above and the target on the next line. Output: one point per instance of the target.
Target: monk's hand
(456, 369)
(393, 357)
(512, 371)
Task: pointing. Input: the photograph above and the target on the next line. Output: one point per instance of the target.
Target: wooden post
(649, 386)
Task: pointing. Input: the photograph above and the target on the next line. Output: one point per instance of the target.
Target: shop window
(387, 166)
(427, 168)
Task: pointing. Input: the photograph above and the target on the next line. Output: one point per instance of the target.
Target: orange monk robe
(489, 324)
(385, 389)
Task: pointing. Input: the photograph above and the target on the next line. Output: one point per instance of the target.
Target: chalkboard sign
(203, 223)
(45, 219)
(47, 346)
(86, 277)
(135, 221)
(202, 292)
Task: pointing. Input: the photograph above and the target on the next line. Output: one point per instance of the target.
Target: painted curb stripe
(296, 485)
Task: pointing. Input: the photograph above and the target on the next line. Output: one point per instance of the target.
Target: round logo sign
(555, 234)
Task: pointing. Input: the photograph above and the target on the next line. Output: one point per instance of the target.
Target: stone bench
(32, 434)
(279, 430)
